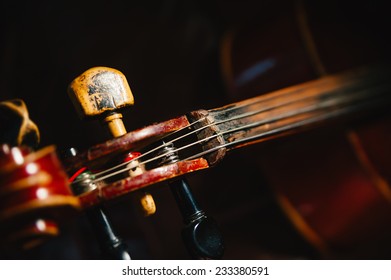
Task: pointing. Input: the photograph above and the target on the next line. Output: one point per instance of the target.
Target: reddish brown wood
(125, 186)
(133, 140)
(34, 196)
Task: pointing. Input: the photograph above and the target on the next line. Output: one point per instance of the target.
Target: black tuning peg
(201, 234)
(110, 244)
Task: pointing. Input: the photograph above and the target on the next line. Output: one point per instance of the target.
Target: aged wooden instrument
(35, 193)
(104, 91)
(340, 213)
(201, 139)
(208, 134)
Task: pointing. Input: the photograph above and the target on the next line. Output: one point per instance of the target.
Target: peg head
(98, 91)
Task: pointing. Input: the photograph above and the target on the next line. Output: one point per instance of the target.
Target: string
(276, 130)
(227, 108)
(237, 106)
(206, 126)
(255, 124)
(248, 114)
(148, 152)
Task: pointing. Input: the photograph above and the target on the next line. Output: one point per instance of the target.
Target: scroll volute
(16, 128)
(35, 196)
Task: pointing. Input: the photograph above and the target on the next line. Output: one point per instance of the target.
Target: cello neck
(286, 111)
(202, 138)
(294, 109)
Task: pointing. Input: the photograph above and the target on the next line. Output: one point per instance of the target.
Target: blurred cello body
(333, 184)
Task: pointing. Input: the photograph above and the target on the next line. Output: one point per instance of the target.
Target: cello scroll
(35, 195)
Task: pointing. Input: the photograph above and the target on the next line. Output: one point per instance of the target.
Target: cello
(111, 144)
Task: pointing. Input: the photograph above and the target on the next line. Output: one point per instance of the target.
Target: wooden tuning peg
(102, 92)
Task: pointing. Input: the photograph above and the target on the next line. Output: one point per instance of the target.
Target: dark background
(170, 52)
